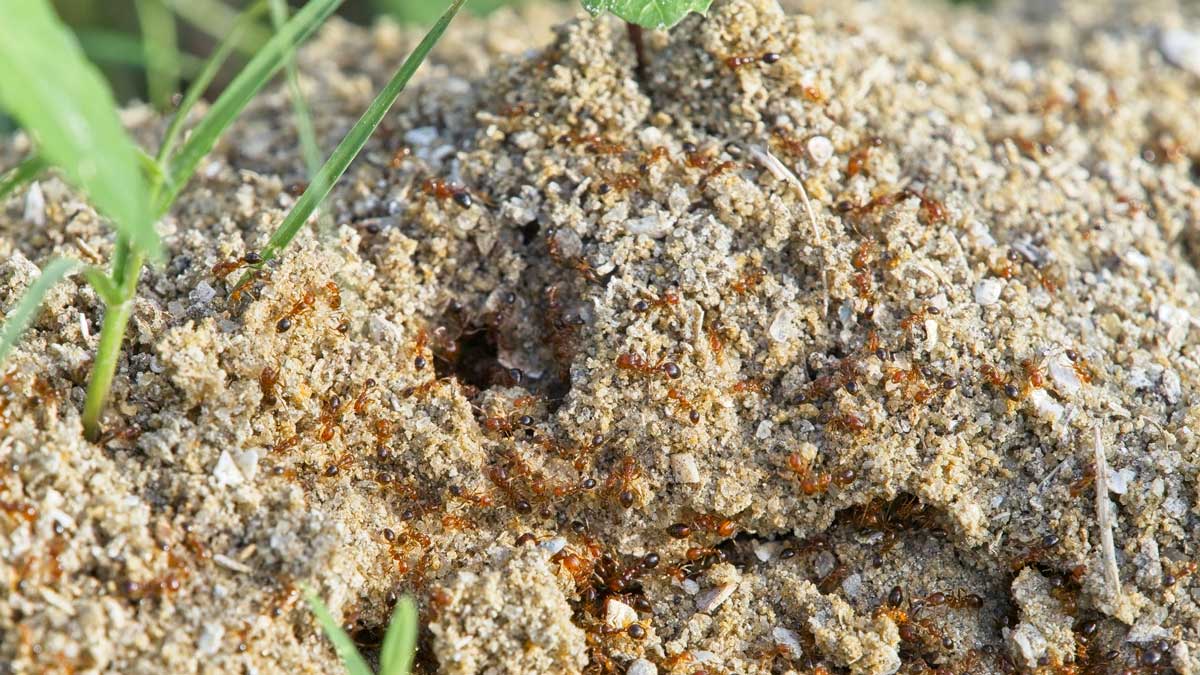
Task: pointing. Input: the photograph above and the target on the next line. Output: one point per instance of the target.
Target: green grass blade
(348, 149)
(162, 51)
(400, 642)
(27, 170)
(200, 84)
(26, 309)
(355, 665)
(304, 124)
(64, 103)
(216, 19)
(122, 49)
(238, 94)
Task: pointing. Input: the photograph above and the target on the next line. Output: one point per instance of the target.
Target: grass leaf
(21, 174)
(211, 67)
(400, 642)
(342, 644)
(304, 124)
(352, 144)
(653, 14)
(216, 18)
(65, 105)
(266, 62)
(123, 49)
(161, 46)
(26, 309)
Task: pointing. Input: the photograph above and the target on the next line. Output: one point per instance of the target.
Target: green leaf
(21, 174)
(655, 14)
(63, 102)
(342, 644)
(400, 642)
(26, 309)
(348, 149)
(238, 94)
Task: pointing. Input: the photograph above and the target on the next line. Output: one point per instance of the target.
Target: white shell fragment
(1045, 407)
(709, 600)
(788, 639)
(783, 327)
(618, 615)
(1182, 48)
(1062, 374)
(987, 291)
(820, 150)
(642, 667)
(226, 471)
(684, 467)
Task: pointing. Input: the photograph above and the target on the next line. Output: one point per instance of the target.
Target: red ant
(666, 300)
(225, 268)
(749, 281)
(440, 189)
(637, 363)
(621, 481)
(268, 378)
(737, 62)
(858, 159)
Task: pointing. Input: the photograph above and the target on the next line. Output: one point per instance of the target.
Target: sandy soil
(854, 339)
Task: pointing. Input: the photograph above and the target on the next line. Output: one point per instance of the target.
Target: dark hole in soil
(529, 232)
(1196, 170)
(472, 358)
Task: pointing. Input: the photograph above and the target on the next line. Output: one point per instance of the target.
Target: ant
(684, 404)
(1036, 553)
(1080, 366)
(361, 401)
(227, 267)
(440, 189)
(666, 300)
(287, 444)
(401, 154)
(818, 483)
(737, 62)
(1184, 569)
(301, 306)
(958, 599)
(267, 381)
(919, 317)
(846, 424)
(621, 481)
(330, 420)
(637, 363)
(749, 280)
(858, 159)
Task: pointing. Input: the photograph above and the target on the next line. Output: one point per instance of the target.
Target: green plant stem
(128, 261)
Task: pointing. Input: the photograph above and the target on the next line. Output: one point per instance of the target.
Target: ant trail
(781, 172)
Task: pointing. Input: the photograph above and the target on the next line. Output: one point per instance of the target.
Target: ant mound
(854, 339)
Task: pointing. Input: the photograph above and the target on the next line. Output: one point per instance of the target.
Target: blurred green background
(110, 30)
(185, 32)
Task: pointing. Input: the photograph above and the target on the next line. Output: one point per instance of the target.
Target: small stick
(639, 48)
(1111, 573)
(781, 172)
